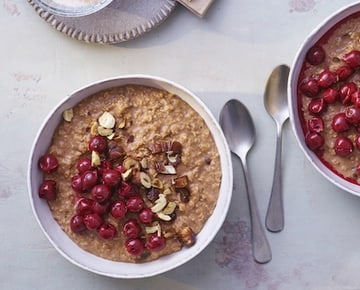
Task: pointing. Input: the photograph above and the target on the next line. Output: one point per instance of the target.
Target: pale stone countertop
(227, 54)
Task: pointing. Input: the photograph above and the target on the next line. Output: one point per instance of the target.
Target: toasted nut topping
(68, 115)
(144, 163)
(167, 191)
(95, 159)
(168, 235)
(157, 183)
(170, 208)
(165, 169)
(104, 131)
(94, 128)
(163, 216)
(180, 182)
(122, 124)
(155, 227)
(145, 179)
(184, 194)
(173, 159)
(160, 203)
(187, 236)
(107, 120)
(127, 174)
(131, 163)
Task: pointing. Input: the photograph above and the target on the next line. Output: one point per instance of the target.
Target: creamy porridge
(329, 98)
(132, 174)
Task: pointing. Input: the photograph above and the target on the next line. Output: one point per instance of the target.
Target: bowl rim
(50, 227)
(326, 25)
(68, 11)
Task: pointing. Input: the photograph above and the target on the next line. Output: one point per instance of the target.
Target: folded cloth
(198, 7)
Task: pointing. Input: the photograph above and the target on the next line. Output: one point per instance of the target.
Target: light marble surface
(227, 54)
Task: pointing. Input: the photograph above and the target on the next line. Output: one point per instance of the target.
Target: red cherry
(77, 224)
(98, 144)
(309, 87)
(104, 165)
(343, 146)
(127, 189)
(92, 221)
(118, 209)
(100, 192)
(89, 179)
(352, 58)
(339, 123)
(131, 229)
(134, 247)
(146, 216)
(135, 203)
(100, 208)
(346, 91)
(84, 206)
(317, 106)
(315, 55)
(48, 163)
(111, 177)
(330, 95)
(326, 79)
(314, 140)
(155, 243)
(107, 231)
(77, 183)
(352, 115)
(355, 98)
(48, 190)
(315, 124)
(83, 164)
(344, 72)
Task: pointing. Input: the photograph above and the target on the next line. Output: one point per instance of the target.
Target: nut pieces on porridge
(123, 188)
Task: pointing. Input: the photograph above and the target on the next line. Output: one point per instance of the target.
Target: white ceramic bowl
(72, 8)
(295, 71)
(118, 269)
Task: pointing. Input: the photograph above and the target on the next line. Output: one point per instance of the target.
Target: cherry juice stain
(11, 7)
(302, 5)
(233, 252)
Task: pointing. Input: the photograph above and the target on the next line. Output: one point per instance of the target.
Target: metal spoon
(275, 100)
(239, 131)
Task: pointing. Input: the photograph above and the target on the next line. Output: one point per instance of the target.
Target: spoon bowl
(239, 131)
(275, 99)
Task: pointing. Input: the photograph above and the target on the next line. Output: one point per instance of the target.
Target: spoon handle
(260, 244)
(275, 213)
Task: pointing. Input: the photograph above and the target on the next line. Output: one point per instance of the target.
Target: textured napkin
(199, 7)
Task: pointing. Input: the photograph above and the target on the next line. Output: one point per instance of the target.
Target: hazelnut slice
(165, 169)
(144, 163)
(122, 124)
(68, 115)
(145, 179)
(180, 182)
(170, 208)
(104, 131)
(131, 163)
(160, 204)
(155, 227)
(94, 128)
(127, 174)
(186, 236)
(107, 120)
(163, 216)
(95, 159)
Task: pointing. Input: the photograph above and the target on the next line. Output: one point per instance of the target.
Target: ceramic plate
(120, 21)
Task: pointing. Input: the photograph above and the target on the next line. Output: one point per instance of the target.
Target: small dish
(73, 8)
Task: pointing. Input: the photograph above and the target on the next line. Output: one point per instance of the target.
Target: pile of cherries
(100, 192)
(330, 87)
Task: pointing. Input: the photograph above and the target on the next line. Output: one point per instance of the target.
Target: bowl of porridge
(130, 177)
(324, 98)
(73, 8)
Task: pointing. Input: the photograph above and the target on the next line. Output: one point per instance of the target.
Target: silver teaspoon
(239, 131)
(276, 104)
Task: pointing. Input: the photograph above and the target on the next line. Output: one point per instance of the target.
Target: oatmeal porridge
(132, 174)
(329, 98)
